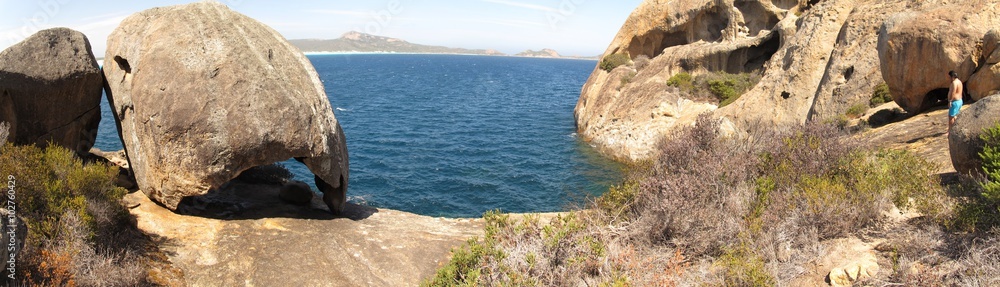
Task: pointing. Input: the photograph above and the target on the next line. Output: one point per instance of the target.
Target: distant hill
(544, 53)
(361, 42)
(549, 53)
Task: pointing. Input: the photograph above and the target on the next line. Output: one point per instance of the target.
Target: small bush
(613, 61)
(881, 95)
(640, 62)
(856, 110)
(682, 80)
(743, 267)
(724, 88)
(626, 79)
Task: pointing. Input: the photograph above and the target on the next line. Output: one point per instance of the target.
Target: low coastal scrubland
(751, 210)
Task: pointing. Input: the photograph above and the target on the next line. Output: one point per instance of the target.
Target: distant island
(549, 53)
(357, 42)
(366, 43)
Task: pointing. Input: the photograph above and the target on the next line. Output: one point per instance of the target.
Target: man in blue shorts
(954, 98)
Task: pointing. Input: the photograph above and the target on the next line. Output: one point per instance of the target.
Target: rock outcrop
(625, 111)
(791, 78)
(202, 93)
(964, 142)
(815, 61)
(986, 82)
(50, 90)
(919, 47)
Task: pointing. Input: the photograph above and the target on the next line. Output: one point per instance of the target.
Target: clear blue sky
(572, 27)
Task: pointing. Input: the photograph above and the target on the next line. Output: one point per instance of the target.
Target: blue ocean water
(455, 135)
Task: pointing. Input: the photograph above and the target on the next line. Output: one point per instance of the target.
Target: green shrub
(682, 80)
(729, 87)
(618, 199)
(613, 61)
(626, 79)
(725, 89)
(881, 95)
(856, 110)
(744, 268)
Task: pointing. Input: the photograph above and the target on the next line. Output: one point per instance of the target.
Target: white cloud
(340, 12)
(523, 5)
(510, 23)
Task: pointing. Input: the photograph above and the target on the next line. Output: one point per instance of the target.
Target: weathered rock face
(918, 48)
(853, 70)
(625, 118)
(787, 89)
(50, 90)
(964, 142)
(815, 59)
(202, 93)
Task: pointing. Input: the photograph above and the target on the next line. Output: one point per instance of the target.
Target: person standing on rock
(954, 98)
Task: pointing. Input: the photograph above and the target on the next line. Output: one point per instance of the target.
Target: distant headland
(357, 42)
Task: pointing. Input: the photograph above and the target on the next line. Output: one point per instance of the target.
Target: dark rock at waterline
(964, 142)
(50, 90)
(296, 192)
(202, 93)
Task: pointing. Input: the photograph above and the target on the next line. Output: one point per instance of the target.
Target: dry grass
(4, 132)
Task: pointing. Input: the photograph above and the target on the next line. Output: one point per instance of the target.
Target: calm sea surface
(455, 136)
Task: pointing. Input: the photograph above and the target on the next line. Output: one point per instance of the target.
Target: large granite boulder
(964, 142)
(202, 93)
(50, 90)
(917, 49)
(986, 82)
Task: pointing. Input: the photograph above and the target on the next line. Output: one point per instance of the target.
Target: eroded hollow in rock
(652, 44)
(938, 97)
(758, 55)
(706, 26)
(757, 17)
(123, 64)
(785, 4)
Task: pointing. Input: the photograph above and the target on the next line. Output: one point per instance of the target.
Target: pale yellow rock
(245, 236)
(625, 119)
